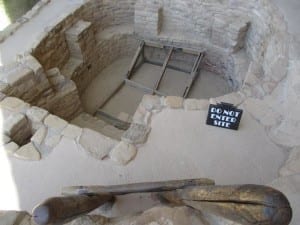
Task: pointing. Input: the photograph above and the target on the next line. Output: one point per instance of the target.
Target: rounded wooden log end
(41, 215)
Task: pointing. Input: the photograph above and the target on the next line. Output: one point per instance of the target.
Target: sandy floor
(127, 99)
(104, 85)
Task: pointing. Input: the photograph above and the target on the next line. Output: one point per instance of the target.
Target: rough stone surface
(72, 131)
(36, 114)
(90, 220)
(160, 215)
(14, 104)
(17, 127)
(165, 215)
(136, 134)
(195, 104)
(96, 144)
(52, 140)
(123, 153)
(55, 123)
(28, 152)
(141, 116)
(14, 124)
(16, 76)
(292, 165)
(11, 147)
(151, 102)
(174, 102)
(39, 136)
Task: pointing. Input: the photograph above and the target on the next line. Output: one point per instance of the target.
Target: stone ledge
(55, 123)
(28, 152)
(136, 134)
(96, 144)
(123, 153)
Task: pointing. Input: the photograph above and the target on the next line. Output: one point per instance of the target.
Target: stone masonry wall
(222, 28)
(104, 13)
(52, 50)
(82, 56)
(27, 80)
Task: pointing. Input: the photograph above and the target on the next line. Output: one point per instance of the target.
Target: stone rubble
(96, 144)
(39, 136)
(55, 123)
(37, 115)
(123, 153)
(11, 148)
(141, 116)
(151, 103)
(136, 134)
(72, 132)
(28, 152)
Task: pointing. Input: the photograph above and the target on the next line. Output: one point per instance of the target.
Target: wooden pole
(245, 204)
(138, 187)
(135, 59)
(60, 210)
(193, 74)
(163, 69)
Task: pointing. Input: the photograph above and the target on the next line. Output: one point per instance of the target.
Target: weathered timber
(163, 69)
(168, 66)
(245, 204)
(182, 49)
(120, 124)
(61, 210)
(138, 187)
(142, 87)
(135, 59)
(193, 74)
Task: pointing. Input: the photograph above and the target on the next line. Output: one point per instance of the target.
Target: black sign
(224, 115)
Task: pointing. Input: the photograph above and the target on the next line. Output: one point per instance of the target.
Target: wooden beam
(164, 69)
(137, 187)
(154, 44)
(142, 87)
(193, 74)
(60, 210)
(168, 66)
(184, 50)
(120, 124)
(135, 59)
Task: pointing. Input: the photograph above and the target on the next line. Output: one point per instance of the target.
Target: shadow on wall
(16, 8)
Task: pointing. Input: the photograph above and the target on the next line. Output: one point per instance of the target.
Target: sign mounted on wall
(224, 115)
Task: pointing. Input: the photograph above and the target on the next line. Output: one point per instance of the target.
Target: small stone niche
(18, 128)
(153, 21)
